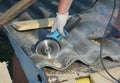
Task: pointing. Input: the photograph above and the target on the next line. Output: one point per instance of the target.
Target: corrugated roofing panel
(93, 21)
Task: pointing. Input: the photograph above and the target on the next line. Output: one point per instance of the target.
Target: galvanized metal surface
(77, 45)
(31, 72)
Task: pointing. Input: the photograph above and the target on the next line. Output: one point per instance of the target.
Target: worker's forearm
(64, 6)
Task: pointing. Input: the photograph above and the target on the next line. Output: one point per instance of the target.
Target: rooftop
(94, 20)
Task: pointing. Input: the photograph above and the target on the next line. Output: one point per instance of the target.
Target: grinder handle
(72, 22)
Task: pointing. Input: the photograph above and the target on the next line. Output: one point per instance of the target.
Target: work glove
(59, 23)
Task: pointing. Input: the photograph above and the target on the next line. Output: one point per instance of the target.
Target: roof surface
(92, 22)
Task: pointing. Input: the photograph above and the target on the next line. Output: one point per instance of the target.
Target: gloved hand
(60, 22)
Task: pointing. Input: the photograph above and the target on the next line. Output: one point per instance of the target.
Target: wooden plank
(14, 11)
(103, 77)
(18, 73)
(4, 74)
(33, 24)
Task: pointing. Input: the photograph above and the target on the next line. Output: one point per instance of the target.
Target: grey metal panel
(77, 37)
(27, 64)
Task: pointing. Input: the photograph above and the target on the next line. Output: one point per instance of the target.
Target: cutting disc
(48, 48)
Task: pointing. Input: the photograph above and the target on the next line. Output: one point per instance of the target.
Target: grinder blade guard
(50, 47)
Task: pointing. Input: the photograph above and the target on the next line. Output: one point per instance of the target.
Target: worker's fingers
(54, 27)
(59, 23)
(61, 30)
(62, 19)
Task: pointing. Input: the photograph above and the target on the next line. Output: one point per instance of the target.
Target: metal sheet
(77, 45)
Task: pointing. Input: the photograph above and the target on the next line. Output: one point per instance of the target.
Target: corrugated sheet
(48, 7)
(95, 20)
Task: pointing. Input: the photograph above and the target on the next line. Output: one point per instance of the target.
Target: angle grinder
(50, 46)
